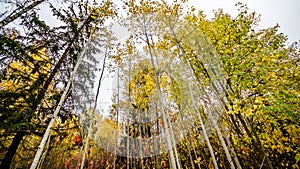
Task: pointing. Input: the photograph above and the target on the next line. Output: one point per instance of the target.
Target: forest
(145, 84)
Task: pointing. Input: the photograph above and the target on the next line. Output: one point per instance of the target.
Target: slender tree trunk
(236, 160)
(256, 141)
(161, 106)
(261, 148)
(48, 130)
(190, 68)
(6, 161)
(228, 156)
(94, 108)
(45, 153)
(13, 17)
(204, 130)
(19, 136)
(173, 141)
(17, 139)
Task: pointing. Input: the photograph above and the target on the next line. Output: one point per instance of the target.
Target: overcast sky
(284, 12)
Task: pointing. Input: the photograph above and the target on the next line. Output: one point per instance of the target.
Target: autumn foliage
(260, 117)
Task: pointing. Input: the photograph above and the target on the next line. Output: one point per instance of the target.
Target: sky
(284, 12)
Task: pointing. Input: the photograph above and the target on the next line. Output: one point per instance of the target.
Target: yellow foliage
(17, 67)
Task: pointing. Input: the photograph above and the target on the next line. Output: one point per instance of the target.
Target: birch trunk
(204, 130)
(94, 108)
(48, 130)
(161, 106)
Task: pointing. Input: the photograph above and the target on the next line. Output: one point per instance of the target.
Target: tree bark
(62, 99)
(13, 17)
(256, 141)
(19, 136)
(6, 161)
(94, 109)
(38, 99)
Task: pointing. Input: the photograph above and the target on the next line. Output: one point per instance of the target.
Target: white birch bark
(93, 111)
(204, 130)
(48, 130)
(161, 106)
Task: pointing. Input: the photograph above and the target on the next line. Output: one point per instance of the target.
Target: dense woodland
(256, 80)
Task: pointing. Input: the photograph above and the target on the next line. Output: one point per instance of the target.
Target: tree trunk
(13, 17)
(62, 99)
(19, 136)
(17, 139)
(6, 161)
(255, 140)
(94, 109)
(161, 106)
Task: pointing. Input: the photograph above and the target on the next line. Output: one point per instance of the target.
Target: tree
(250, 57)
(255, 62)
(225, 69)
(19, 12)
(62, 45)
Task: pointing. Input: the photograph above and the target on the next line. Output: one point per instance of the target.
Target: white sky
(284, 12)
